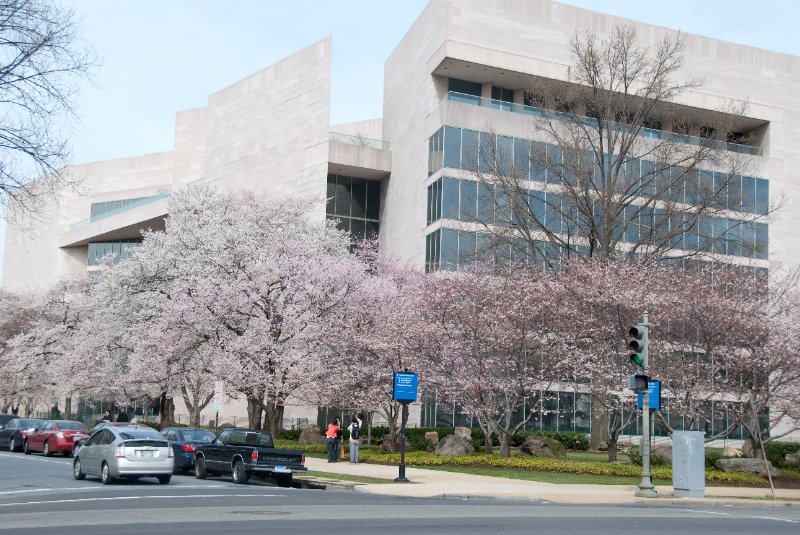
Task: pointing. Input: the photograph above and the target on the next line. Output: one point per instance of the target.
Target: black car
(244, 453)
(184, 441)
(5, 418)
(12, 435)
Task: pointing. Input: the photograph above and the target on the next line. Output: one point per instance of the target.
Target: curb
(311, 482)
(717, 502)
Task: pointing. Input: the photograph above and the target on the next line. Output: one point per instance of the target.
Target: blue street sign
(405, 387)
(654, 395)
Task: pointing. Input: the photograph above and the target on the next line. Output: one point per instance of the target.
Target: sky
(161, 56)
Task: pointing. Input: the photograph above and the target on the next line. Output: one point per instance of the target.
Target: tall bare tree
(615, 166)
(42, 63)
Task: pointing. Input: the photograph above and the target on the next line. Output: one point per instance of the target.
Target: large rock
(731, 452)
(543, 447)
(793, 460)
(431, 440)
(464, 432)
(662, 452)
(751, 466)
(454, 445)
(311, 435)
(749, 450)
(388, 447)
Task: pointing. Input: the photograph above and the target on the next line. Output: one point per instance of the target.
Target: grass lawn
(546, 477)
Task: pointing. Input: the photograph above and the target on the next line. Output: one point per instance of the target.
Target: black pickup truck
(244, 453)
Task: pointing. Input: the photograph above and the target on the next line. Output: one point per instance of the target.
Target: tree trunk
(195, 403)
(599, 419)
(255, 407)
(68, 408)
(612, 449)
(273, 419)
(166, 410)
(505, 444)
(369, 428)
(488, 445)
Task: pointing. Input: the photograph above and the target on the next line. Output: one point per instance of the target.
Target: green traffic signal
(637, 342)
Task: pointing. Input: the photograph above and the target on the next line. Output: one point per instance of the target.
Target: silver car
(132, 451)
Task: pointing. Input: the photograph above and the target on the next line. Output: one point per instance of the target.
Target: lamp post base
(646, 489)
(401, 480)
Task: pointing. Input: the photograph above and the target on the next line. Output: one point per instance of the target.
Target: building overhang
(127, 224)
(359, 160)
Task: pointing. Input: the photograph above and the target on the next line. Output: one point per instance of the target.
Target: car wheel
(105, 475)
(200, 471)
(240, 475)
(46, 451)
(26, 448)
(283, 480)
(12, 444)
(77, 470)
(164, 479)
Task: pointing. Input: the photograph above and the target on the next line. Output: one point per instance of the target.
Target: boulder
(662, 452)
(793, 460)
(543, 447)
(464, 432)
(731, 452)
(603, 446)
(749, 450)
(751, 466)
(431, 440)
(454, 445)
(311, 435)
(388, 447)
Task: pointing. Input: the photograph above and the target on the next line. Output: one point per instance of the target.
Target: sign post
(646, 487)
(219, 394)
(404, 390)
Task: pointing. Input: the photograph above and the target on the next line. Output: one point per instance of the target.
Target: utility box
(688, 464)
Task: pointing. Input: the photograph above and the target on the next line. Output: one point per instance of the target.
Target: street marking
(21, 491)
(775, 518)
(121, 498)
(706, 512)
(65, 462)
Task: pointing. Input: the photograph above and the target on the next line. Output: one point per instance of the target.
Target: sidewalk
(435, 483)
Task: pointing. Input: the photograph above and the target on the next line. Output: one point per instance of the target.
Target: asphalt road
(38, 493)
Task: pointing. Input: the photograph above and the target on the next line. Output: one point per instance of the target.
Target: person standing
(123, 415)
(338, 452)
(355, 438)
(330, 440)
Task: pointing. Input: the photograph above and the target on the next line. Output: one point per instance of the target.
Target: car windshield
(198, 435)
(72, 426)
(30, 423)
(250, 438)
(133, 434)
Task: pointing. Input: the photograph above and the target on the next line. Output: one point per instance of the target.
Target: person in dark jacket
(123, 416)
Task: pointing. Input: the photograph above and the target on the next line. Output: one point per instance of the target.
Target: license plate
(281, 469)
(146, 453)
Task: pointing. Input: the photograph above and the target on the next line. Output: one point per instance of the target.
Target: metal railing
(359, 140)
(134, 204)
(646, 132)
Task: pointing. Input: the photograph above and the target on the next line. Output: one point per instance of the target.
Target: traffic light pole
(646, 488)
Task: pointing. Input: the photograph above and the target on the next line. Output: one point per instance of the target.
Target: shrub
(776, 451)
(290, 434)
(712, 457)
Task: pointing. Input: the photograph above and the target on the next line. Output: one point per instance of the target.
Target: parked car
(184, 441)
(125, 451)
(12, 436)
(55, 436)
(80, 440)
(5, 418)
(244, 453)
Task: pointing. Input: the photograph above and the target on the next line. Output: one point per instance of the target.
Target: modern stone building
(460, 72)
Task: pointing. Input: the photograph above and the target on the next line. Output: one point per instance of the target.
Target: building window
(355, 205)
(432, 248)
(120, 249)
(464, 87)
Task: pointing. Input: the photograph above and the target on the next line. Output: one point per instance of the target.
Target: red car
(55, 436)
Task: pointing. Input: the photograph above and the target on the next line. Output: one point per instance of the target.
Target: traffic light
(638, 382)
(637, 342)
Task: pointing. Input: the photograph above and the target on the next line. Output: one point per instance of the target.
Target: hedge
(776, 452)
